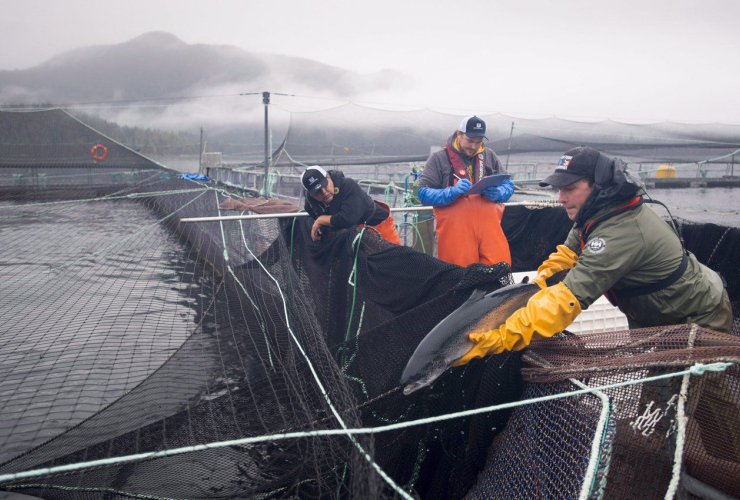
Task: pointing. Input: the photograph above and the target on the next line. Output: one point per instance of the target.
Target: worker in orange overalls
(468, 227)
(336, 201)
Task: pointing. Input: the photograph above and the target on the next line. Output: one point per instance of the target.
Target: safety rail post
(266, 102)
(200, 161)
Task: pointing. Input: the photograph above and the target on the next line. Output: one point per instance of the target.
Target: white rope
(223, 234)
(697, 368)
(372, 462)
(682, 421)
(701, 369)
(593, 462)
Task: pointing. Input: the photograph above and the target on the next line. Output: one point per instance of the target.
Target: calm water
(716, 205)
(93, 298)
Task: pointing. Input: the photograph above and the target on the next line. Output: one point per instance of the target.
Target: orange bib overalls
(469, 231)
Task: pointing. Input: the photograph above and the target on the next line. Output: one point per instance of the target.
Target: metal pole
(200, 164)
(266, 102)
(508, 152)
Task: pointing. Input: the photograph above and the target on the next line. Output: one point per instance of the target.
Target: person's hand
(500, 193)
(483, 344)
(547, 312)
(461, 187)
(316, 231)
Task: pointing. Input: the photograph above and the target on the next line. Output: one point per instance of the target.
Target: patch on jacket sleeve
(596, 245)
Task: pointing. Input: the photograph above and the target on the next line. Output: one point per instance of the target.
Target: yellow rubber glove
(547, 312)
(564, 258)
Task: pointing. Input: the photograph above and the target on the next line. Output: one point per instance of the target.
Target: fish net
(529, 147)
(651, 420)
(243, 352)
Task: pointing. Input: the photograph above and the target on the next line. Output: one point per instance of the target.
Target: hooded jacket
(350, 206)
(637, 248)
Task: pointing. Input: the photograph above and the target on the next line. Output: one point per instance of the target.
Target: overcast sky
(673, 60)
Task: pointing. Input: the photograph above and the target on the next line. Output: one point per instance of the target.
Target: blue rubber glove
(500, 193)
(443, 197)
(461, 187)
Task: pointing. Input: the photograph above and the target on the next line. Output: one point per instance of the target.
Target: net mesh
(126, 331)
(355, 133)
(647, 425)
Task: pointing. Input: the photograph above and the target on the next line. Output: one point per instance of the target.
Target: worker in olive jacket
(617, 247)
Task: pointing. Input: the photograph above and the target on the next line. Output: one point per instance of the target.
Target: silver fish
(448, 341)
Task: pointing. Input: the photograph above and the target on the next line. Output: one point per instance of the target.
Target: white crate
(212, 160)
(600, 317)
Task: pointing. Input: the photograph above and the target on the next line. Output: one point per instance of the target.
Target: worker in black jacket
(337, 201)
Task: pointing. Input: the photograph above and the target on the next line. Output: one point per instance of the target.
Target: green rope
(418, 234)
(292, 230)
(270, 182)
(357, 241)
(102, 198)
(344, 475)
(388, 189)
(99, 172)
(603, 439)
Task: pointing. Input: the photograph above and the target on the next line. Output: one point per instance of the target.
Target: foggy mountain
(158, 64)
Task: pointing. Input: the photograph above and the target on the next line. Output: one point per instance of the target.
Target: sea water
(93, 298)
(716, 205)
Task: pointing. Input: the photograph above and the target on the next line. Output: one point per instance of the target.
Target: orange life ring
(101, 156)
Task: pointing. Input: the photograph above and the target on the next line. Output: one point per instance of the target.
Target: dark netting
(126, 330)
(546, 448)
(533, 234)
(717, 247)
(261, 350)
(649, 424)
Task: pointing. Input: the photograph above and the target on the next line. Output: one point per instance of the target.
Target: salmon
(448, 341)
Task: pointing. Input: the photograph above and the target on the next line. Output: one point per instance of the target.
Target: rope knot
(701, 368)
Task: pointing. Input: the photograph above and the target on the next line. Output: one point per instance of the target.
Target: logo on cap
(564, 162)
(478, 125)
(313, 179)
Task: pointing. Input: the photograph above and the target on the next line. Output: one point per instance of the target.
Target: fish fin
(475, 296)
